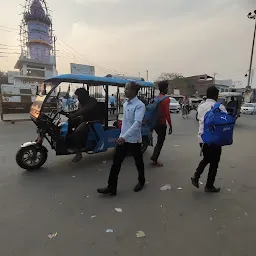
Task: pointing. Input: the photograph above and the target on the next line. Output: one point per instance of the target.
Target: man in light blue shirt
(129, 140)
(112, 101)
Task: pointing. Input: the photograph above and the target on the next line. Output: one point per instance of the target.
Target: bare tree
(169, 76)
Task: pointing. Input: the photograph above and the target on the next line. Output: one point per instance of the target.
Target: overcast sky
(130, 36)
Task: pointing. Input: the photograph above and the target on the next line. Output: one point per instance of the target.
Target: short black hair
(81, 92)
(212, 92)
(232, 98)
(134, 86)
(163, 85)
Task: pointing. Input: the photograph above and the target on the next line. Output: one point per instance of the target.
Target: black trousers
(212, 156)
(161, 134)
(78, 138)
(112, 105)
(121, 151)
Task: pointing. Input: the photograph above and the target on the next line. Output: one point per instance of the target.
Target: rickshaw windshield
(41, 99)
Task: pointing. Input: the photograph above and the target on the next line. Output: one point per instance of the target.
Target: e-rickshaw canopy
(94, 80)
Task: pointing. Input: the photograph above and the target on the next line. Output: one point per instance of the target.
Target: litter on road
(140, 234)
(53, 235)
(166, 187)
(104, 162)
(201, 183)
(118, 210)
(93, 216)
(180, 188)
(73, 176)
(109, 230)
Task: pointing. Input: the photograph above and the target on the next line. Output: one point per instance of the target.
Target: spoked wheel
(31, 158)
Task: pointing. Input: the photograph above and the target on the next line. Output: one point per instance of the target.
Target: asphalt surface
(62, 198)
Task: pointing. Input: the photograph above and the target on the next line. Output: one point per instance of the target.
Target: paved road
(62, 198)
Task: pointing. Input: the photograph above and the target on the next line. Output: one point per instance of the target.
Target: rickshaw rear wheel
(31, 158)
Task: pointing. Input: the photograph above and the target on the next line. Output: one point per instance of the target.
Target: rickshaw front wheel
(31, 158)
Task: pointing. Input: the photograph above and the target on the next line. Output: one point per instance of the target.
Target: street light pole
(253, 17)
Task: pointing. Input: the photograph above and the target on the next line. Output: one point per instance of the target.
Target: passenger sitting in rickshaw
(86, 112)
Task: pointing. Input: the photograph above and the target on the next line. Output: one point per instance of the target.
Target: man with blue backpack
(215, 130)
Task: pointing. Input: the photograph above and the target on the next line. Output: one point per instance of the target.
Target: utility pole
(253, 17)
(147, 74)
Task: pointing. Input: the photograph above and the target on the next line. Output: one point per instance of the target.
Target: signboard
(176, 91)
(82, 69)
(11, 75)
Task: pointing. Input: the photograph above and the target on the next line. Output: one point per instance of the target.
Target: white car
(249, 108)
(174, 105)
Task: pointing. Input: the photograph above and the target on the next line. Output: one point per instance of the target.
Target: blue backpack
(152, 113)
(218, 127)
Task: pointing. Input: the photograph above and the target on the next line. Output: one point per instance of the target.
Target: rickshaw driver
(86, 110)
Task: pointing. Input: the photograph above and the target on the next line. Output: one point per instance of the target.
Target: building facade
(190, 86)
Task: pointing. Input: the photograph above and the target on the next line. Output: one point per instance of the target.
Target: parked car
(174, 105)
(248, 108)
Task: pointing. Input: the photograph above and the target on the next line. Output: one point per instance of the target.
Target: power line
(16, 46)
(4, 30)
(9, 28)
(10, 52)
(88, 61)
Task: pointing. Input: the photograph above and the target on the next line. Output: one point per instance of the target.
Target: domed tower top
(37, 12)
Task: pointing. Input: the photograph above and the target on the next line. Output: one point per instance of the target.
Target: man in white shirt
(129, 140)
(211, 153)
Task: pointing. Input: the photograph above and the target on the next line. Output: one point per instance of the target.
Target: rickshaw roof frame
(94, 80)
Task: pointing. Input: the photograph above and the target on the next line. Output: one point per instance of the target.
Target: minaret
(37, 58)
(39, 32)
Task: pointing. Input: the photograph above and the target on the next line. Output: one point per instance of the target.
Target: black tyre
(31, 158)
(144, 144)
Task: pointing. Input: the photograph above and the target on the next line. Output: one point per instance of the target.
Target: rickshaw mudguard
(28, 144)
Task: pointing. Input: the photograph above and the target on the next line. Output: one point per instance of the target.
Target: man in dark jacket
(86, 111)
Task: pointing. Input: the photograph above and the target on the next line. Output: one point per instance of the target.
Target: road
(62, 198)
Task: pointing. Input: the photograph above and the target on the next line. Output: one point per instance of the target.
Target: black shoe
(78, 157)
(195, 182)
(139, 187)
(211, 190)
(106, 191)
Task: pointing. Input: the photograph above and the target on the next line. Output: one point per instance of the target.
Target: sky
(132, 36)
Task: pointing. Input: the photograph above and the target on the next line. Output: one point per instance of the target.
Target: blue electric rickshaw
(47, 114)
